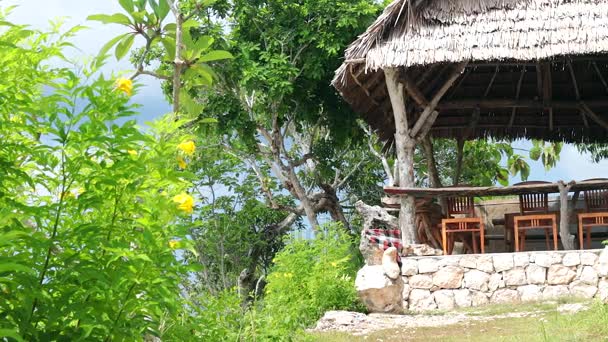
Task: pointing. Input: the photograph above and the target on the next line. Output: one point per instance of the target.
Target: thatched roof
(541, 58)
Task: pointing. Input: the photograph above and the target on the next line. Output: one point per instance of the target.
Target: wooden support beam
(539, 81)
(585, 107)
(457, 85)
(599, 73)
(414, 92)
(367, 92)
(564, 224)
(517, 93)
(577, 93)
(430, 108)
(547, 91)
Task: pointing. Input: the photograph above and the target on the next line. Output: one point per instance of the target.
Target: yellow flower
(334, 264)
(132, 152)
(182, 163)
(173, 244)
(125, 85)
(187, 147)
(184, 202)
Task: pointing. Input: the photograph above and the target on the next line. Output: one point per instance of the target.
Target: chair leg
(474, 241)
(547, 238)
(444, 238)
(588, 237)
(554, 234)
(482, 236)
(516, 235)
(522, 243)
(580, 232)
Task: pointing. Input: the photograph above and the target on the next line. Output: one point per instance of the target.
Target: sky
(572, 165)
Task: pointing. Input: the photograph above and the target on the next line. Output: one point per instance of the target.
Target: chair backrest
(596, 199)
(533, 202)
(461, 206)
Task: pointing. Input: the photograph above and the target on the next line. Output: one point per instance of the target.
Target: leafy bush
(309, 277)
(88, 223)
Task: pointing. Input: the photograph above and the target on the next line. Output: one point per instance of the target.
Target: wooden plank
(522, 103)
(517, 93)
(594, 116)
(493, 190)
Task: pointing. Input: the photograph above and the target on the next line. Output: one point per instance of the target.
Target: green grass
(546, 325)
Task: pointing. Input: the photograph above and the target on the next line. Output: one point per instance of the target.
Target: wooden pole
(564, 220)
(405, 156)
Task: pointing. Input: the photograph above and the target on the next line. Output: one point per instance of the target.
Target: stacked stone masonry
(448, 282)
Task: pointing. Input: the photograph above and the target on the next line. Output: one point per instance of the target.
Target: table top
(497, 190)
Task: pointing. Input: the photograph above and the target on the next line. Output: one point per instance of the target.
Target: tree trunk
(564, 220)
(427, 146)
(405, 145)
(459, 158)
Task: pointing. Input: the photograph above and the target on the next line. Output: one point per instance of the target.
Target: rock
(554, 292)
(505, 296)
(444, 299)
(462, 298)
(421, 250)
(449, 260)
(559, 274)
(521, 259)
(485, 264)
(581, 290)
(405, 293)
(603, 290)
(479, 298)
(374, 217)
(495, 282)
(409, 266)
(378, 292)
(536, 274)
(389, 263)
(449, 277)
(602, 263)
(588, 258)
(421, 281)
(571, 259)
(503, 262)
(571, 308)
(476, 280)
(556, 258)
(468, 261)
(421, 300)
(589, 276)
(516, 276)
(427, 265)
(530, 293)
(543, 259)
(333, 320)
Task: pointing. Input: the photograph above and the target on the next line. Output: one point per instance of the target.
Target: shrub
(308, 278)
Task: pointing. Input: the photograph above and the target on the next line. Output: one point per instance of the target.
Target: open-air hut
(468, 69)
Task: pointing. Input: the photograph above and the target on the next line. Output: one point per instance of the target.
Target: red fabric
(386, 238)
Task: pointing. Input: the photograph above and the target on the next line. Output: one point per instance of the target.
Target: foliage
(598, 152)
(308, 278)
(87, 224)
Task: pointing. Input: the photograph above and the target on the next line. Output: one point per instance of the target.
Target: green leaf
(215, 56)
(163, 9)
(14, 267)
(123, 47)
(535, 152)
(107, 46)
(127, 5)
(169, 45)
(203, 43)
(116, 18)
(10, 333)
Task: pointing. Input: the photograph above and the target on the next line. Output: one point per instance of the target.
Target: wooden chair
(534, 214)
(595, 215)
(461, 227)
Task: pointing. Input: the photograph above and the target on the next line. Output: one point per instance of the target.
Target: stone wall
(447, 282)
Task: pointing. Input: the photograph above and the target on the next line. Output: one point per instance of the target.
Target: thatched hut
(470, 69)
